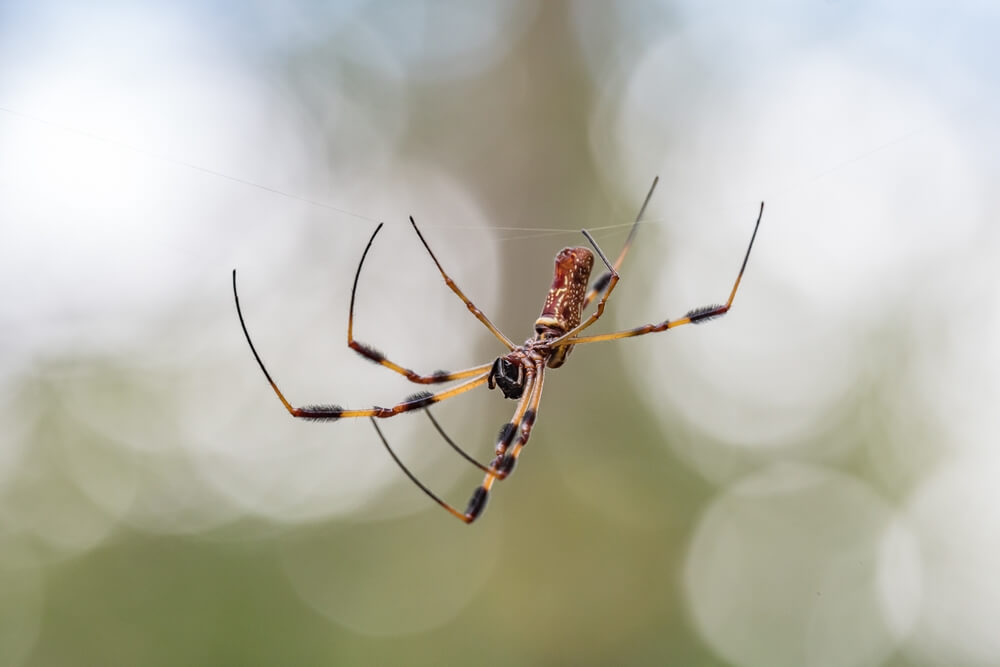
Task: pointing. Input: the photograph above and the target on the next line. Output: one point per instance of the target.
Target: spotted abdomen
(564, 302)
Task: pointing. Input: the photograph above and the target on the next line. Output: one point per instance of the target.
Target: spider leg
(453, 444)
(608, 281)
(506, 458)
(454, 512)
(334, 412)
(602, 282)
(522, 413)
(478, 501)
(454, 288)
(372, 354)
(505, 463)
(692, 317)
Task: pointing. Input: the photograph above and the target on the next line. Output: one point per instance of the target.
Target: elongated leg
(454, 288)
(602, 282)
(334, 412)
(370, 353)
(505, 463)
(692, 317)
(413, 478)
(451, 443)
(478, 501)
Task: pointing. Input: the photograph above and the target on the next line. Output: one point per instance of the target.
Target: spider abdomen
(564, 302)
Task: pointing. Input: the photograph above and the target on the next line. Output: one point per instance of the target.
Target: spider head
(507, 374)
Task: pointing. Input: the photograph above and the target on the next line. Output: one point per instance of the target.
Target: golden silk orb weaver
(520, 373)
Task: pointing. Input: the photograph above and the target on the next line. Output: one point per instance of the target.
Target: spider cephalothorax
(561, 313)
(520, 373)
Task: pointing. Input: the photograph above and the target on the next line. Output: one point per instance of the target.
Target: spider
(520, 373)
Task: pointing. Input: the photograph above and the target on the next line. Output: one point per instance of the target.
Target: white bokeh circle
(957, 528)
(790, 567)
(826, 267)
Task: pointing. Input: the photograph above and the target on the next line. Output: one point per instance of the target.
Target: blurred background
(812, 480)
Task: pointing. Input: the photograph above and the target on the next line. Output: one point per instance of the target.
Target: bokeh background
(812, 480)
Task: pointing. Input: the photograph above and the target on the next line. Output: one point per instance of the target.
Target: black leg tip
(477, 503)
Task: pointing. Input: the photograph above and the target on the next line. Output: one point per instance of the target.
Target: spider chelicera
(520, 373)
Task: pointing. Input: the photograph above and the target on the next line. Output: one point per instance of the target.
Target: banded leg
(692, 317)
(509, 430)
(454, 288)
(505, 464)
(478, 501)
(602, 282)
(374, 355)
(334, 412)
